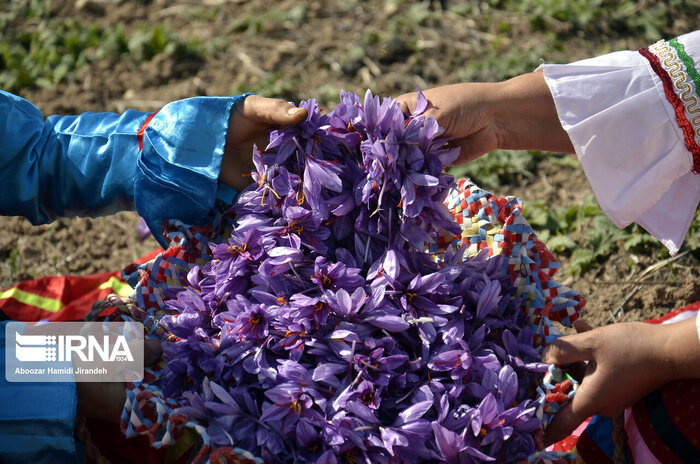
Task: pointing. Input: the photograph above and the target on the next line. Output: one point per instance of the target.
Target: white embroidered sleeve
(634, 120)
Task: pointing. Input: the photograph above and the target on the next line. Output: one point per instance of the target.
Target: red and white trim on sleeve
(681, 83)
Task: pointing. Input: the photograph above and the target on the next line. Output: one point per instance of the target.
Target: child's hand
(625, 362)
(249, 123)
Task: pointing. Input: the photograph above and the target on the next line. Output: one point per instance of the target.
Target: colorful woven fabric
(556, 390)
(497, 224)
(488, 222)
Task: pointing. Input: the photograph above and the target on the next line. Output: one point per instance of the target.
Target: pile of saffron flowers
(323, 331)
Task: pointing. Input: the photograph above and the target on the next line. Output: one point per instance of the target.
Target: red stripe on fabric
(77, 293)
(674, 99)
(655, 444)
(569, 443)
(142, 130)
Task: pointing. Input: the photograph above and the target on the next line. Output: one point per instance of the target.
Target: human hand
(106, 400)
(464, 112)
(249, 124)
(625, 362)
(516, 114)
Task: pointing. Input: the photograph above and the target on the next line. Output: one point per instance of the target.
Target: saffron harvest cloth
(490, 225)
(634, 120)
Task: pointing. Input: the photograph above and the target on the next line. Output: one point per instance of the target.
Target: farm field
(68, 57)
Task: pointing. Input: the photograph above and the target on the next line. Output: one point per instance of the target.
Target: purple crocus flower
(333, 276)
(253, 323)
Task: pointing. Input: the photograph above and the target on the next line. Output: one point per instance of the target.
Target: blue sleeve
(91, 164)
(37, 420)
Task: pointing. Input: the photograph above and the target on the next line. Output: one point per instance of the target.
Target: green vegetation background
(42, 50)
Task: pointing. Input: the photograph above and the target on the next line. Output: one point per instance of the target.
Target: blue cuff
(178, 170)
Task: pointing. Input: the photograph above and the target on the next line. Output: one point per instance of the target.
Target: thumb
(272, 111)
(569, 349)
(296, 115)
(407, 102)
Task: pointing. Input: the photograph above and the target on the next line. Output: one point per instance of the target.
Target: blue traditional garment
(165, 165)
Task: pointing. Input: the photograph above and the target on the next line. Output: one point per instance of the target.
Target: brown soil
(315, 56)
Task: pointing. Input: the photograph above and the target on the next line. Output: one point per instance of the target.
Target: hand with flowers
(249, 123)
(516, 114)
(625, 362)
(323, 331)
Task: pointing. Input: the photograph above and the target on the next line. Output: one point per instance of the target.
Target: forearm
(525, 116)
(681, 347)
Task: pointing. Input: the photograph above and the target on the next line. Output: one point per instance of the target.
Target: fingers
(272, 111)
(474, 146)
(408, 102)
(569, 349)
(564, 423)
(582, 326)
(581, 407)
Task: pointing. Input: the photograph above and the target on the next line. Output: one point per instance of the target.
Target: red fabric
(651, 438)
(691, 307)
(682, 401)
(569, 443)
(589, 450)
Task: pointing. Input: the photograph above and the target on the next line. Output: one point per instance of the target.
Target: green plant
(599, 17)
(501, 62)
(585, 233)
(51, 51)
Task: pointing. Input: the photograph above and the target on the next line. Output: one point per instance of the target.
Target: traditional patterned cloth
(488, 222)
